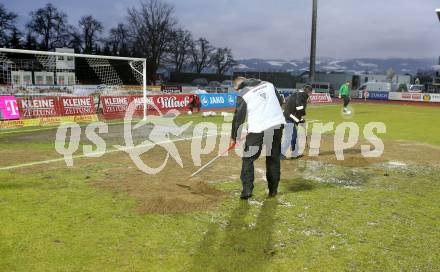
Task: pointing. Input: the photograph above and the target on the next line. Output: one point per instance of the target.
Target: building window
(71, 80)
(16, 79)
(27, 79)
(49, 80)
(39, 79)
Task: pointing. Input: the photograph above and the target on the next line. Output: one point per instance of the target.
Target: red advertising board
(412, 96)
(52, 106)
(35, 107)
(320, 98)
(116, 106)
(170, 102)
(77, 106)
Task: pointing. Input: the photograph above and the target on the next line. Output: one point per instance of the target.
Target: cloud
(281, 29)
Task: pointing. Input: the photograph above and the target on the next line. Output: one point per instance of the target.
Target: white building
(21, 78)
(44, 78)
(65, 78)
(65, 62)
(397, 79)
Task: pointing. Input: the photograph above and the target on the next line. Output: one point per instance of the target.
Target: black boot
(245, 196)
(284, 158)
(273, 194)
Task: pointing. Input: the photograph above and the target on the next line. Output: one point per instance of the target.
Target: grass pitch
(102, 214)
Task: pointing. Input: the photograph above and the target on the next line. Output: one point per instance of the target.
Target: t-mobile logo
(11, 107)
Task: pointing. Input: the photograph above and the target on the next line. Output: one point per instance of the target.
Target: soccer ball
(190, 113)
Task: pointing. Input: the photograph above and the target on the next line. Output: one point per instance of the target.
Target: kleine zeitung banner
(77, 106)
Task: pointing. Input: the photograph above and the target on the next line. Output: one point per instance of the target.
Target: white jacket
(263, 107)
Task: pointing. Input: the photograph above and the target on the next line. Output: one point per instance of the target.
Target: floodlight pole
(144, 86)
(438, 15)
(313, 43)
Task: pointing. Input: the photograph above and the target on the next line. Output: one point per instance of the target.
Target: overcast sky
(281, 28)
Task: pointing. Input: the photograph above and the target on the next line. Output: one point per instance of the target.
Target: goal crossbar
(34, 52)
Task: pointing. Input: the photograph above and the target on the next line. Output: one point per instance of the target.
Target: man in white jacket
(261, 104)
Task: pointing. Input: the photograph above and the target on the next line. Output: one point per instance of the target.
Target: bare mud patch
(394, 151)
(168, 192)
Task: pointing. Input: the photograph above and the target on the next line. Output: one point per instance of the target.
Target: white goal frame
(143, 73)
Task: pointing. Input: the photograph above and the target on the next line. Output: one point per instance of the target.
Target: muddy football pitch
(105, 214)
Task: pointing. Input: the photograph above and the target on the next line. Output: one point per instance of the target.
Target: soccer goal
(25, 73)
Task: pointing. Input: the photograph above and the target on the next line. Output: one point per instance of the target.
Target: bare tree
(49, 25)
(201, 52)
(179, 49)
(7, 21)
(223, 60)
(150, 26)
(75, 39)
(118, 41)
(30, 42)
(89, 28)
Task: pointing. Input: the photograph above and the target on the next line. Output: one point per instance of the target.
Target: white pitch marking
(24, 131)
(104, 153)
(53, 128)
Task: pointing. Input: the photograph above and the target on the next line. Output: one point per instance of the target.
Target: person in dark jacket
(194, 103)
(260, 103)
(294, 112)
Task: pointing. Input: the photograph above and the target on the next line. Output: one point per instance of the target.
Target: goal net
(27, 73)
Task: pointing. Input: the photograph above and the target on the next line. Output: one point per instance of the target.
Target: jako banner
(226, 100)
(9, 108)
(378, 95)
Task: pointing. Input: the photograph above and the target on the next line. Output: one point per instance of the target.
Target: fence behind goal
(31, 75)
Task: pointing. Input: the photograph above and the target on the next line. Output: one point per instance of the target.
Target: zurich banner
(378, 95)
(210, 101)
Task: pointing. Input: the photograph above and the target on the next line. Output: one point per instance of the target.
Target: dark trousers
(193, 106)
(346, 100)
(271, 139)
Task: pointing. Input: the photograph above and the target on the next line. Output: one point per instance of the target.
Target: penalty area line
(82, 125)
(99, 154)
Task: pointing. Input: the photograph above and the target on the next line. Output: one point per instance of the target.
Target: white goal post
(24, 71)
